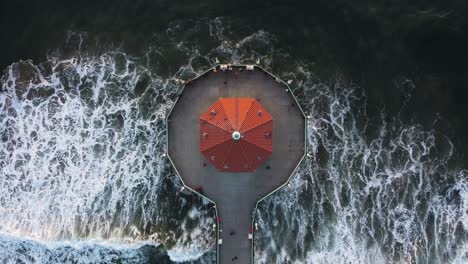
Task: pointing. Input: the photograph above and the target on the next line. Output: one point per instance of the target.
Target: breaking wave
(82, 157)
(372, 190)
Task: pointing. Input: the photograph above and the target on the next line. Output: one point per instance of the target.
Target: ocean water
(85, 179)
(381, 193)
(82, 159)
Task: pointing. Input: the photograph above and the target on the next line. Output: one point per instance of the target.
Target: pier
(235, 194)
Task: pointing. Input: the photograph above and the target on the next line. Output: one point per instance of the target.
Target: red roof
(236, 134)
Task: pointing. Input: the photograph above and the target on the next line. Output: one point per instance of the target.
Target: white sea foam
(365, 197)
(20, 250)
(81, 150)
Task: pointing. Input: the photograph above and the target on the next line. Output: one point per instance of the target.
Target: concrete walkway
(235, 194)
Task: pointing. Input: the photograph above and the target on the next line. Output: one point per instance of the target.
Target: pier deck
(235, 194)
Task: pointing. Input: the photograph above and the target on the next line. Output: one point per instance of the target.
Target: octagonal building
(235, 135)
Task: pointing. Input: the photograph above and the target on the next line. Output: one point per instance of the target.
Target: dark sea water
(86, 85)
